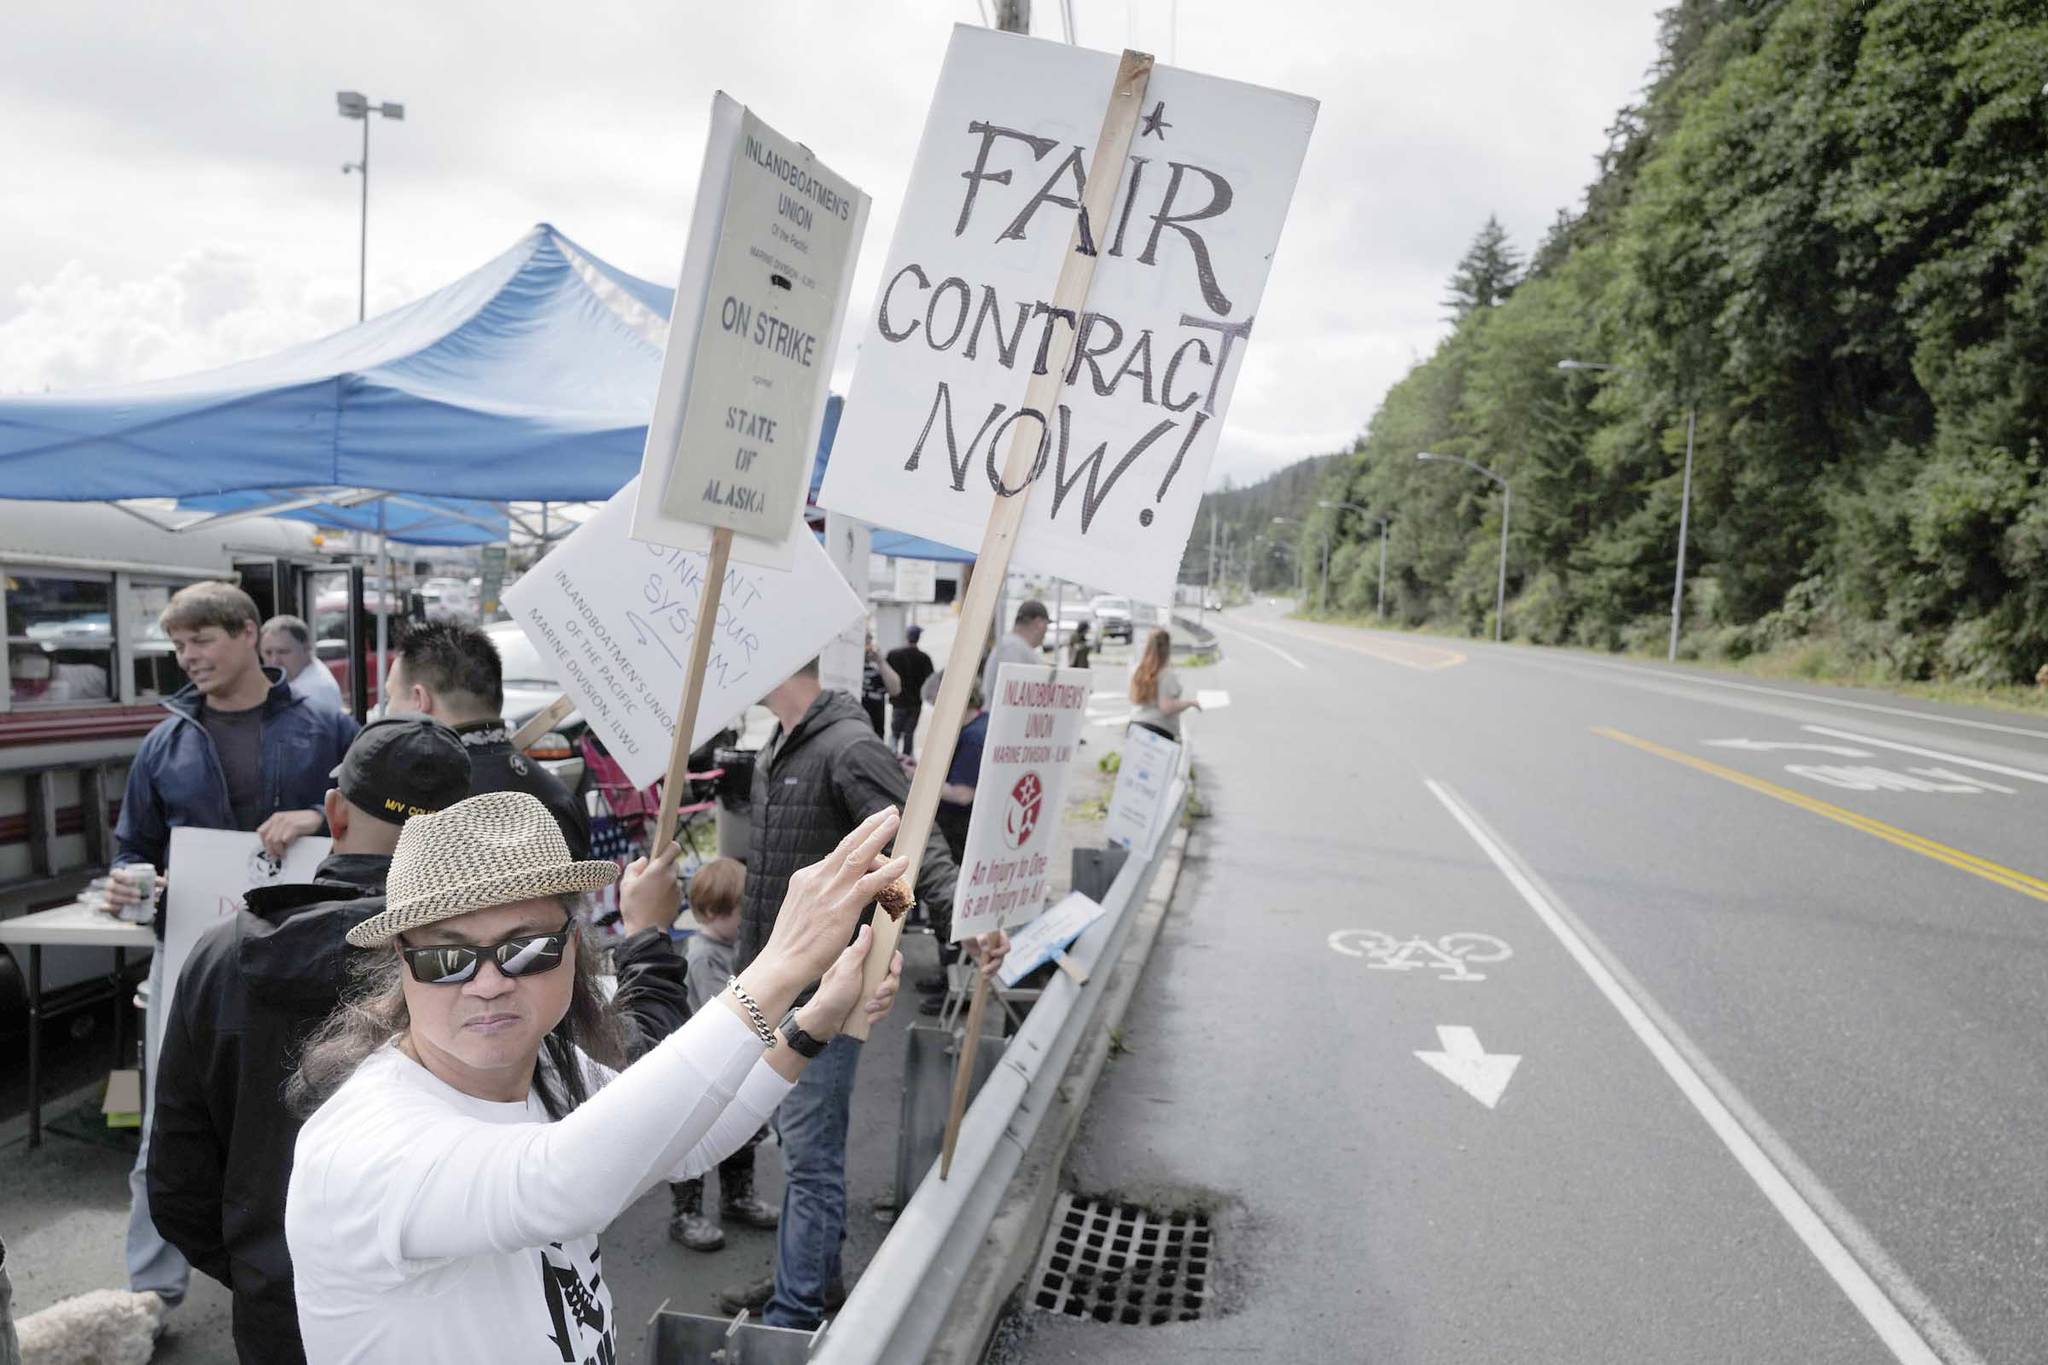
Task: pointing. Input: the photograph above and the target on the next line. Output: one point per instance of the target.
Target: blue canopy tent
(409, 520)
(529, 378)
(896, 544)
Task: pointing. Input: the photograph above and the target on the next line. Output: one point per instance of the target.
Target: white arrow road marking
(1762, 745)
(1482, 1075)
(1999, 768)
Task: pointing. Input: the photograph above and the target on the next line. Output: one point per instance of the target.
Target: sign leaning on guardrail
(1073, 284)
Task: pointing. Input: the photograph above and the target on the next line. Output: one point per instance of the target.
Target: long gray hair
(372, 1013)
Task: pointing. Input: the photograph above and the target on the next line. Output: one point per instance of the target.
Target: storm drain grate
(1118, 1263)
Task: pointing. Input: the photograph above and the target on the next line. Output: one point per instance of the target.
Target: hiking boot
(737, 1202)
(687, 1223)
(754, 1297)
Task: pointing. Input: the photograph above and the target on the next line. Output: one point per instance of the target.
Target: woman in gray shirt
(1156, 689)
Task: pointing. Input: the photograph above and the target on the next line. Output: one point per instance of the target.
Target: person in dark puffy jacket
(825, 771)
(453, 672)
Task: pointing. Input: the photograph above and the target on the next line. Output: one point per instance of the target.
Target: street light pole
(1323, 597)
(1684, 499)
(1380, 604)
(353, 104)
(1507, 510)
(1684, 520)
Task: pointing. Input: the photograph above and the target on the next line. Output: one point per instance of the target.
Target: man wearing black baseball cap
(255, 986)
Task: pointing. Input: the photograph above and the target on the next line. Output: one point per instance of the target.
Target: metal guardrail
(900, 1305)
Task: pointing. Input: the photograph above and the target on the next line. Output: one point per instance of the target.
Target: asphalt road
(1770, 957)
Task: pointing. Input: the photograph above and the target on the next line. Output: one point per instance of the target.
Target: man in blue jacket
(239, 750)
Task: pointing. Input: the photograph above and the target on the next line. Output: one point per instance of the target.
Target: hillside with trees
(1252, 549)
(1820, 240)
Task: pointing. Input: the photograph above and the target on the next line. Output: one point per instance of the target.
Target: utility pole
(1208, 567)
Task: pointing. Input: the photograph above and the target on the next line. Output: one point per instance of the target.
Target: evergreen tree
(1820, 228)
(1487, 274)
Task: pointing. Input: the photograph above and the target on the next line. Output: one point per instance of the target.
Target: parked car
(1112, 617)
(448, 599)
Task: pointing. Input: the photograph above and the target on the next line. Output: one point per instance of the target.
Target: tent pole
(383, 605)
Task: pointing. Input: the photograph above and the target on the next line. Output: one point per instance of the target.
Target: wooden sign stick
(693, 687)
(963, 1073)
(542, 721)
(992, 565)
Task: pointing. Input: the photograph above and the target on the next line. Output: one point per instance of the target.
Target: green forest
(1820, 239)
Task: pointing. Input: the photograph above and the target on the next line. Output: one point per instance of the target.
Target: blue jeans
(812, 1124)
(154, 1265)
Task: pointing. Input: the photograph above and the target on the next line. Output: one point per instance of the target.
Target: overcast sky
(175, 199)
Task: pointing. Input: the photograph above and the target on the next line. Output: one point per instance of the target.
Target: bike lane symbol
(1450, 957)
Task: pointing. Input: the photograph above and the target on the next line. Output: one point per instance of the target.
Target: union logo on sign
(1027, 804)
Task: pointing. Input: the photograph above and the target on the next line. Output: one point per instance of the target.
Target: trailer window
(151, 658)
(60, 639)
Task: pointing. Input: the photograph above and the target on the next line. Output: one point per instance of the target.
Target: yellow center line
(1389, 651)
(2007, 877)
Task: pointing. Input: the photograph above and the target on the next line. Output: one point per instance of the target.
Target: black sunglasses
(451, 964)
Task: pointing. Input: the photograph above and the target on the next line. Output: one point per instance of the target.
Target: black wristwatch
(802, 1043)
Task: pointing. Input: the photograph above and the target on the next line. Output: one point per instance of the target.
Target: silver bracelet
(754, 1015)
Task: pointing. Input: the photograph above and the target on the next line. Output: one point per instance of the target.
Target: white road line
(1903, 1317)
(1240, 630)
(1524, 654)
(1932, 753)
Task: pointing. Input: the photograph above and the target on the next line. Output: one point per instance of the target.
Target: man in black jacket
(452, 672)
(258, 984)
(825, 771)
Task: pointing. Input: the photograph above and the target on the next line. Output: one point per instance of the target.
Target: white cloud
(209, 307)
(179, 203)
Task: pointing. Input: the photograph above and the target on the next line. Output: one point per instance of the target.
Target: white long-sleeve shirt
(317, 685)
(428, 1225)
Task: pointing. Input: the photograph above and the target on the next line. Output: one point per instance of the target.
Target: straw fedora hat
(496, 849)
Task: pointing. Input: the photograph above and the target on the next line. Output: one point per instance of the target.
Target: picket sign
(1047, 938)
(992, 567)
(215, 868)
(743, 380)
(617, 617)
(999, 538)
(1035, 716)
(693, 689)
(962, 312)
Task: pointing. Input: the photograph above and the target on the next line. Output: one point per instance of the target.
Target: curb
(1011, 1245)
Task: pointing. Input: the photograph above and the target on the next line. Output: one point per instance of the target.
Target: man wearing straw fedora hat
(469, 1138)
